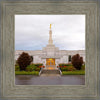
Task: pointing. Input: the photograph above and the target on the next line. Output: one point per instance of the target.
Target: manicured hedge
(68, 64)
(67, 68)
(17, 68)
(38, 64)
(78, 72)
(31, 68)
(26, 73)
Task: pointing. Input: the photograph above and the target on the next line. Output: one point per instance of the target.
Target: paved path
(50, 80)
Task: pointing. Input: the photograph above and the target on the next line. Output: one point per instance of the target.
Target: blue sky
(32, 31)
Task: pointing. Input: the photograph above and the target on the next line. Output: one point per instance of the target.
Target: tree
(31, 58)
(77, 61)
(24, 60)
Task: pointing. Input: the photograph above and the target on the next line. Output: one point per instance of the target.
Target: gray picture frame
(89, 91)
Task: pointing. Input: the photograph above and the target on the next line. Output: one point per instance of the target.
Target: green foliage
(17, 68)
(64, 69)
(16, 63)
(67, 64)
(77, 61)
(26, 73)
(71, 68)
(68, 68)
(31, 68)
(24, 60)
(38, 64)
(37, 69)
(61, 64)
(83, 67)
(78, 72)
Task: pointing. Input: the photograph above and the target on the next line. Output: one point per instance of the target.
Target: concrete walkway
(50, 80)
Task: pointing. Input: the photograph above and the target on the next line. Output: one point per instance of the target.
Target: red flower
(43, 66)
(40, 66)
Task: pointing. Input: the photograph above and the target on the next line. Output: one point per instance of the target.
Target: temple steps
(46, 72)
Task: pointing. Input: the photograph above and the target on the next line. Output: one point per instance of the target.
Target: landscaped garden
(76, 67)
(32, 69)
(69, 69)
(24, 66)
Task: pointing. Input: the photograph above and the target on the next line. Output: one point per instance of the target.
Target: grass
(26, 73)
(78, 72)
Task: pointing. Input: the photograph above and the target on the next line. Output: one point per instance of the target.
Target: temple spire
(50, 26)
(50, 36)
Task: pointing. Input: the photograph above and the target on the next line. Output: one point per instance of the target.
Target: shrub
(77, 61)
(68, 68)
(38, 64)
(24, 60)
(61, 64)
(37, 69)
(17, 68)
(64, 69)
(31, 68)
(71, 68)
(67, 64)
(83, 67)
(16, 63)
(41, 66)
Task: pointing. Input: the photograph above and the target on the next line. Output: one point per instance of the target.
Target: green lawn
(26, 73)
(78, 72)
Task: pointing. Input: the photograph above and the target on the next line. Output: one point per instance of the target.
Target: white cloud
(32, 31)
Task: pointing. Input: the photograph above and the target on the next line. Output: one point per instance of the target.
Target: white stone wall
(37, 59)
(61, 55)
(64, 59)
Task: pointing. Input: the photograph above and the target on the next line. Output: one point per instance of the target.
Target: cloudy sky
(32, 31)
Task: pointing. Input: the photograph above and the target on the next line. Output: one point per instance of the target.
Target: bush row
(29, 68)
(26, 73)
(69, 67)
(79, 72)
(38, 64)
(62, 64)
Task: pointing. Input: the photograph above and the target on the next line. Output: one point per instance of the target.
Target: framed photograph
(37, 59)
(49, 49)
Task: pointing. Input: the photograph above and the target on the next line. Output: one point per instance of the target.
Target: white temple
(51, 55)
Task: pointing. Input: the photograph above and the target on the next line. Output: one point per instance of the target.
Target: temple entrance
(50, 61)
